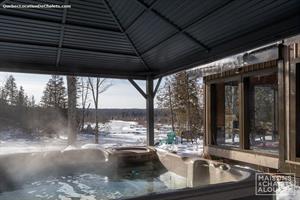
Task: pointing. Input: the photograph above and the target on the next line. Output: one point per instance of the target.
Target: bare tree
(84, 87)
(97, 86)
(165, 99)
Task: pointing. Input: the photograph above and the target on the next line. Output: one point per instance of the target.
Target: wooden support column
(283, 143)
(205, 136)
(243, 113)
(212, 114)
(150, 111)
(71, 81)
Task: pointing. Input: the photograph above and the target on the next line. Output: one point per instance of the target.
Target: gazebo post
(150, 111)
(149, 96)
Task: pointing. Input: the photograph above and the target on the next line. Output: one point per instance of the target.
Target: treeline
(20, 111)
(49, 116)
(138, 115)
(11, 95)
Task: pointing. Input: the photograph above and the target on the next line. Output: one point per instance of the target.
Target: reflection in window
(263, 113)
(227, 114)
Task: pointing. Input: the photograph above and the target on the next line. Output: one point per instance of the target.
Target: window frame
(213, 113)
(242, 76)
(294, 110)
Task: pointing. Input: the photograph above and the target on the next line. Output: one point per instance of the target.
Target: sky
(120, 95)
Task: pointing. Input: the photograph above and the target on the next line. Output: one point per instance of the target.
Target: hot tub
(133, 173)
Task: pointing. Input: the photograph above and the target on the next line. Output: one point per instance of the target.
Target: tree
(2, 96)
(83, 90)
(181, 95)
(54, 93)
(164, 99)
(31, 102)
(97, 87)
(10, 91)
(22, 98)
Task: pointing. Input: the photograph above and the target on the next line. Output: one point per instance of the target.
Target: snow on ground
(185, 149)
(14, 145)
(121, 133)
(19, 145)
(288, 193)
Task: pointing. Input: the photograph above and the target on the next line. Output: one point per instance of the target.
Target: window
(243, 106)
(263, 117)
(227, 114)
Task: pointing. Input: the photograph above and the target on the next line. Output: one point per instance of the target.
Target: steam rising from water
(63, 175)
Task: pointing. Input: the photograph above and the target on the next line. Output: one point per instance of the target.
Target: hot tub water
(92, 185)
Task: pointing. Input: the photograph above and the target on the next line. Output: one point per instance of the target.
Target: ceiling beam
(157, 86)
(34, 68)
(137, 17)
(179, 30)
(126, 34)
(62, 31)
(138, 88)
(226, 3)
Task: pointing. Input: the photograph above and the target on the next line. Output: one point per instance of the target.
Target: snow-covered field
(116, 133)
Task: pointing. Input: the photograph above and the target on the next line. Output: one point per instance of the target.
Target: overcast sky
(121, 95)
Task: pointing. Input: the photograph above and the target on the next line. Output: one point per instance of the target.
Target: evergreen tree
(181, 95)
(187, 102)
(165, 99)
(22, 99)
(2, 96)
(55, 93)
(31, 102)
(10, 91)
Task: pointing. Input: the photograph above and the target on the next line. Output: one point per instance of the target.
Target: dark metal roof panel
(265, 35)
(46, 13)
(149, 2)
(104, 61)
(18, 29)
(127, 11)
(255, 13)
(145, 37)
(90, 12)
(16, 53)
(171, 52)
(184, 12)
(170, 35)
(94, 39)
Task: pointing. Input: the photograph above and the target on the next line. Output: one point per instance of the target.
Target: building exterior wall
(289, 159)
(287, 105)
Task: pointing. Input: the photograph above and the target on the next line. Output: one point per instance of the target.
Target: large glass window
(263, 117)
(227, 113)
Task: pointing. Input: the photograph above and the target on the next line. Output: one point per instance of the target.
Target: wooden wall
(288, 110)
(290, 134)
